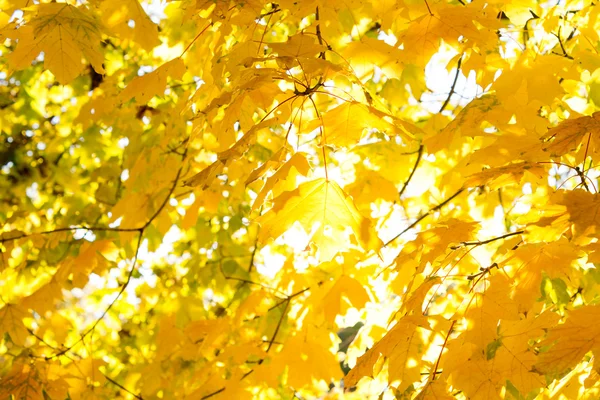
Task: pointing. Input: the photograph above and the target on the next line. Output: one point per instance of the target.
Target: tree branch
(482, 242)
(412, 173)
(423, 216)
(453, 87)
(122, 387)
(123, 287)
(99, 228)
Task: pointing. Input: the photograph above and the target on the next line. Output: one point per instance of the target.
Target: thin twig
(412, 173)
(437, 363)
(123, 287)
(216, 392)
(68, 229)
(428, 9)
(319, 36)
(423, 216)
(122, 387)
(482, 242)
(283, 314)
(453, 87)
(562, 47)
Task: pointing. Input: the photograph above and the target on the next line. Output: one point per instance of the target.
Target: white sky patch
(440, 81)
(155, 10)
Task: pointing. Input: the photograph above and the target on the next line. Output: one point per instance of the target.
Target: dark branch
(122, 387)
(412, 173)
(453, 87)
(98, 228)
(482, 242)
(423, 216)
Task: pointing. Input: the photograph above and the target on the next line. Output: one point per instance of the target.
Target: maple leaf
(344, 125)
(143, 88)
(297, 162)
(533, 261)
(22, 383)
(299, 45)
(344, 287)
(508, 174)
(578, 208)
(65, 34)
(117, 13)
(368, 53)
(568, 135)
(403, 345)
(11, 322)
(483, 374)
(571, 341)
(422, 38)
(323, 202)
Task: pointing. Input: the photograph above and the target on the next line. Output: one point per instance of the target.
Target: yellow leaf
(532, 261)
(300, 164)
(305, 357)
(344, 125)
(574, 207)
(368, 53)
(344, 287)
(117, 13)
(569, 134)
(205, 177)
(65, 34)
(487, 308)
(270, 164)
(22, 383)
(323, 202)
(414, 303)
(370, 187)
(424, 35)
(11, 322)
(92, 257)
(571, 341)
(44, 298)
(143, 88)
(299, 45)
(483, 374)
(495, 178)
(404, 346)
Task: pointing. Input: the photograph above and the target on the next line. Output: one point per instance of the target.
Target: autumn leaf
(66, 34)
(569, 342)
(505, 175)
(11, 322)
(569, 135)
(319, 202)
(577, 208)
(299, 45)
(116, 15)
(346, 123)
(143, 88)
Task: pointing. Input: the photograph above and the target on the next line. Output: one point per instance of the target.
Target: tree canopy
(299, 199)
